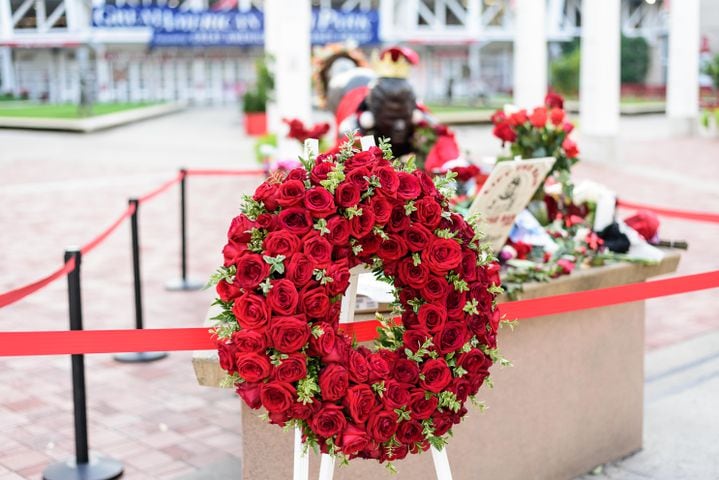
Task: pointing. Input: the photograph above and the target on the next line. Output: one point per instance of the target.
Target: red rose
(570, 148)
(318, 249)
(393, 248)
(315, 302)
(432, 317)
(291, 193)
(358, 367)
(442, 255)
(409, 187)
(296, 220)
(411, 274)
(428, 213)
(353, 440)
(232, 251)
(398, 220)
(413, 338)
(382, 425)
(277, 397)
(381, 208)
(322, 345)
(319, 202)
(340, 274)
(460, 387)
(340, 349)
(239, 230)
(474, 362)
(303, 411)
(451, 337)
(280, 242)
(251, 311)
(339, 228)
(556, 116)
(410, 432)
(267, 221)
(396, 395)
(320, 171)
(297, 174)
(333, 381)
(292, 368)
(442, 423)
(328, 421)
(267, 194)
(504, 132)
(289, 334)
(347, 195)
(227, 291)
(388, 179)
(250, 393)
(361, 225)
(518, 118)
(435, 289)
(422, 407)
(455, 304)
(249, 341)
(468, 268)
(361, 159)
(252, 367)
(417, 237)
(539, 117)
(397, 453)
(282, 297)
(299, 269)
(436, 375)
(378, 367)
(370, 245)
(226, 352)
(406, 371)
(251, 270)
(360, 401)
(359, 177)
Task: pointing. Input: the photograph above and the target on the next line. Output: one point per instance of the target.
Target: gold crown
(394, 62)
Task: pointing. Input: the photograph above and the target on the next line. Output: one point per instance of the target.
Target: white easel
(327, 463)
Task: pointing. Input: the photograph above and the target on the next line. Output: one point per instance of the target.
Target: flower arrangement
(286, 267)
(543, 132)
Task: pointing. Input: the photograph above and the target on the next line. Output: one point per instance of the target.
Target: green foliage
(712, 69)
(564, 72)
(634, 59)
(255, 99)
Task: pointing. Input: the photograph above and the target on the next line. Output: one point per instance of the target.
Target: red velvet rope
(683, 214)
(175, 339)
(206, 172)
(153, 193)
(14, 295)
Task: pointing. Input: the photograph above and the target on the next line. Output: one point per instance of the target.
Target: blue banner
(174, 27)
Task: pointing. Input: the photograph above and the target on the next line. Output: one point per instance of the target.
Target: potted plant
(255, 100)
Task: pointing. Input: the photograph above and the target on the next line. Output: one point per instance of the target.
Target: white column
(530, 53)
(7, 73)
(287, 40)
(102, 74)
(599, 79)
(683, 68)
(77, 13)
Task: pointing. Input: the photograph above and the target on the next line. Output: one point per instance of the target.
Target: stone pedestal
(573, 399)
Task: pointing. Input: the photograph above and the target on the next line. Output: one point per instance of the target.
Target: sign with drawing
(507, 192)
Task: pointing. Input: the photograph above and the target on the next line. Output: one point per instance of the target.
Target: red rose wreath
(287, 265)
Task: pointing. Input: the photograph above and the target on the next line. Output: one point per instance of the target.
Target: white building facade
(466, 46)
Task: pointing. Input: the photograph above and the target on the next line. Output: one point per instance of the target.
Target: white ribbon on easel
(327, 462)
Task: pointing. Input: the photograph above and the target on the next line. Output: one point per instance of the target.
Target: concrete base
(572, 401)
(598, 148)
(683, 126)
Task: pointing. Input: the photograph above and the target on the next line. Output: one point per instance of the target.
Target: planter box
(256, 123)
(572, 401)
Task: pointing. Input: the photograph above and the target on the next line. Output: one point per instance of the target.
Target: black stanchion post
(135, 357)
(83, 467)
(183, 283)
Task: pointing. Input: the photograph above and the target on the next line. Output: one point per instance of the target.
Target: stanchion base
(184, 285)
(99, 468)
(140, 357)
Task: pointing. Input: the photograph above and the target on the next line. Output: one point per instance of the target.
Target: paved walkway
(62, 189)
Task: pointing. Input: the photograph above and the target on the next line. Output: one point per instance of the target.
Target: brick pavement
(61, 189)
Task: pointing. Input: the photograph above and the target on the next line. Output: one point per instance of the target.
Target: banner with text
(178, 28)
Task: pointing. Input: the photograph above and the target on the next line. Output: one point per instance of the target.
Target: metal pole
(82, 468)
(136, 357)
(183, 283)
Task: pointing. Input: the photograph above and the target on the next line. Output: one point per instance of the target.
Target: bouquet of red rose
(543, 132)
(286, 266)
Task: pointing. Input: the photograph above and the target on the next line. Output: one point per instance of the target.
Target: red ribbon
(152, 194)
(169, 339)
(207, 172)
(14, 295)
(684, 214)
(89, 246)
